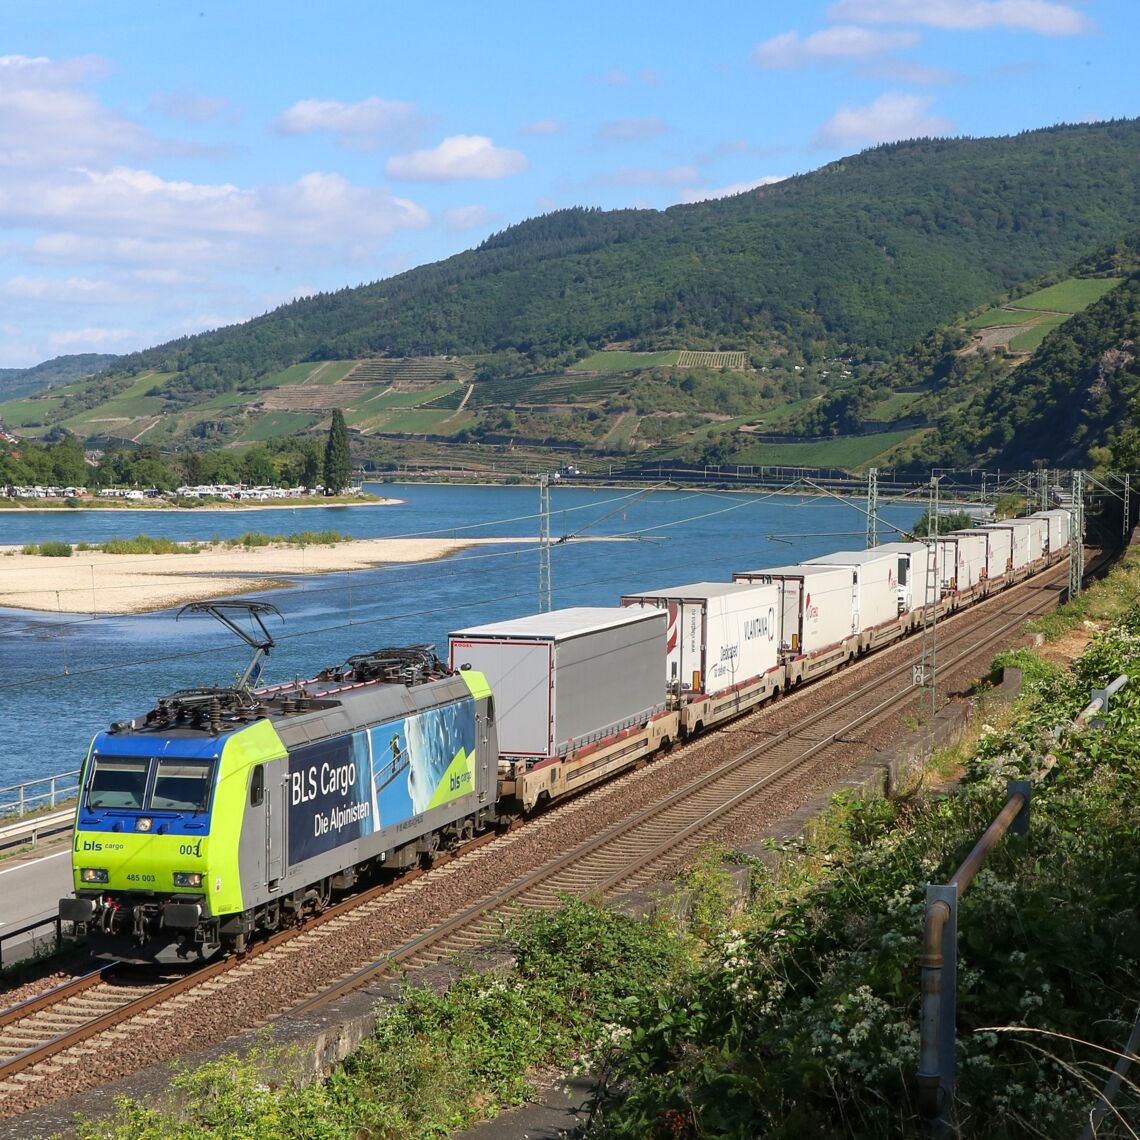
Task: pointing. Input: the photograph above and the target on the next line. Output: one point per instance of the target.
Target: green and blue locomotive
(222, 813)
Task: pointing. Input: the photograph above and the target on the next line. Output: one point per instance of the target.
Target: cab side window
(257, 787)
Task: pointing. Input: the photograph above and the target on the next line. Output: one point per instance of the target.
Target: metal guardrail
(34, 795)
(937, 1028)
(31, 829)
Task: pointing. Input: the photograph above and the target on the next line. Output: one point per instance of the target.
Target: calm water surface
(65, 678)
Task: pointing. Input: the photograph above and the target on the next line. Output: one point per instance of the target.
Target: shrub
(146, 544)
(49, 549)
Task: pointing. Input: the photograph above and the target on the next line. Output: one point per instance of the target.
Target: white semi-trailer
(722, 645)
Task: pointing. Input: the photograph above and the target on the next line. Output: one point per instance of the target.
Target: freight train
(222, 814)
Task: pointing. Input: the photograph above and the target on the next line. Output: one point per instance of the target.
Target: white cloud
(891, 117)
(646, 176)
(457, 157)
(839, 43)
(465, 218)
(630, 130)
(133, 217)
(189, 107)
(45, 122)
(1041, 16)
(97, 239)
(360, 125)
(908, 71)
(731, 189)
(543, 127)
(69, 341)
(122, 249)
(86, 290)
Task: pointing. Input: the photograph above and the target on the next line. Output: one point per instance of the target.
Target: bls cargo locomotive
(222, 813)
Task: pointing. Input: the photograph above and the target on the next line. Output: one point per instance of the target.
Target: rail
(935, 1077)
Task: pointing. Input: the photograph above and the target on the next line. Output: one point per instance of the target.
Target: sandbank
(92, 582)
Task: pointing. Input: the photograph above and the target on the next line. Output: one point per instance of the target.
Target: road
(30, 889)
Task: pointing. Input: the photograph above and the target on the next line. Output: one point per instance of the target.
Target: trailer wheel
(666, 746)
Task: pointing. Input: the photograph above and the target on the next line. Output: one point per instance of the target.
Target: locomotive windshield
(118, 782)
(126, 782)
(182, 785)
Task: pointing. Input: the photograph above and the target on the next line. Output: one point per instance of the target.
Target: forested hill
(862, 256)
(59, 370)
(1072, 402)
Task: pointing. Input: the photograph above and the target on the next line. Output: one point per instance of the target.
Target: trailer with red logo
(722, 653)
(874, 593)
(577, 695)
(1018, 547)
(1059, 523)
(969, 565)
(816, 630)
(1037, 540)
(915, 560)
(999, 552)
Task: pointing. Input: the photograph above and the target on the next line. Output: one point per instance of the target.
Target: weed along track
(608, 840)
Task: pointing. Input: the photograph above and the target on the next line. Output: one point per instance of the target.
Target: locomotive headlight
(187, 878)
(94, 875)
(143, 823)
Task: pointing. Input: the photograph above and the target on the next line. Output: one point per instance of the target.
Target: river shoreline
(55, 506)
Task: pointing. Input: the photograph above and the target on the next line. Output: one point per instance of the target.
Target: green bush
(146, 544)
(49, 549)
(806, 1024)
(439, 1061)
(256, 538)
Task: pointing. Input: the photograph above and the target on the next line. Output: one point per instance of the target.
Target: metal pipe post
(939, 1003)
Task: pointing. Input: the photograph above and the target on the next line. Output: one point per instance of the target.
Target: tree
(257, 467)
(338, 461)
(954, 520)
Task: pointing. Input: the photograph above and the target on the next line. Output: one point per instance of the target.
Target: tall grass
(254, 538)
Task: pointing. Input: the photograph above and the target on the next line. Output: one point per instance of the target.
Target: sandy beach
(91, 582)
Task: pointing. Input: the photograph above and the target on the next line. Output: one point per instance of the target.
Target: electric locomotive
(224, 812)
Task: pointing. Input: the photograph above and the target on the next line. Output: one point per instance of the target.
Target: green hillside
(1072, 397)
(803, 309)
(16, 382)
(865, 254)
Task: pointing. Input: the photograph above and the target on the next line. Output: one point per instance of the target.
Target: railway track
(44, 1041)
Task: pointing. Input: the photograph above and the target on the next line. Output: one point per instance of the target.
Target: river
(67, 677)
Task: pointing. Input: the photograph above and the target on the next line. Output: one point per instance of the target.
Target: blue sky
(173, 167)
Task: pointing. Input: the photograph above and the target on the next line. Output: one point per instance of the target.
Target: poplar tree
(338, 462)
